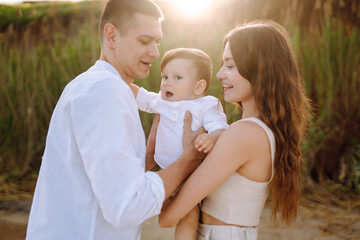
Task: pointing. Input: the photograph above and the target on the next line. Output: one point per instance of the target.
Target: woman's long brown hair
(262, 54)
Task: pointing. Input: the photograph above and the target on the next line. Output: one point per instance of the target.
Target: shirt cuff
(219, 125)
(158, 187)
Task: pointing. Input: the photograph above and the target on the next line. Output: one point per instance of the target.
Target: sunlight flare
(192, 8)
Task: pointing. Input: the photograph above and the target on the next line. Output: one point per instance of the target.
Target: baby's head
(186, 74)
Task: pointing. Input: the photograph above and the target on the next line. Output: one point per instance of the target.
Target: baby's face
(179, 78)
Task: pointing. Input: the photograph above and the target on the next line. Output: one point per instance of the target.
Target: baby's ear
(200, 87)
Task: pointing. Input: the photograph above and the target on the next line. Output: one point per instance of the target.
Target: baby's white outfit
(206, 111)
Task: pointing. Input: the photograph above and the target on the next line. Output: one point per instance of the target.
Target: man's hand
(150, 146)
(189, 138)
(174, 174)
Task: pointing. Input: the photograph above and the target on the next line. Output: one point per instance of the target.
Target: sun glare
(192, 8)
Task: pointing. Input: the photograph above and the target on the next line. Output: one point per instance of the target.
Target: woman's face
(236, 87)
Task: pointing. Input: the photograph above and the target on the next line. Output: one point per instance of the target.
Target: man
(92, 183)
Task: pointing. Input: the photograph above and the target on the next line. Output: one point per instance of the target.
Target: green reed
(33, 75)
(330, 63)
(31, 81)
(27, 12)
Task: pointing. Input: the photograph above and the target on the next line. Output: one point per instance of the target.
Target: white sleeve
(104, 128)
(146, 100)
(214, 118)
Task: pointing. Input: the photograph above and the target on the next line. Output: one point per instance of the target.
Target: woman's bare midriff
(210, 220)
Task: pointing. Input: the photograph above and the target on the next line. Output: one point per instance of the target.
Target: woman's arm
(235, 147)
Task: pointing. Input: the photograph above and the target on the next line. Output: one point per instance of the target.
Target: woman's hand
(150, 146)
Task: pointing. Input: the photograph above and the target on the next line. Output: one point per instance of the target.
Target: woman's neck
(249, 109)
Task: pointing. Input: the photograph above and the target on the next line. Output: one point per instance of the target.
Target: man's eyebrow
(157, 39)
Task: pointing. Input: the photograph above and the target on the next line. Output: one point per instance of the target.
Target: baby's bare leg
(187, 227)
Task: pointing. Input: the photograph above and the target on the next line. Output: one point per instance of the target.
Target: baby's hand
(205, 142)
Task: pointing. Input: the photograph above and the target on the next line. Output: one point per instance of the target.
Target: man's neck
(112, 61)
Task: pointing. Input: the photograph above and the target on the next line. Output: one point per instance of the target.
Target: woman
(255, 154)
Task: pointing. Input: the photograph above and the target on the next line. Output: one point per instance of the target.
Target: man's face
(137, 47)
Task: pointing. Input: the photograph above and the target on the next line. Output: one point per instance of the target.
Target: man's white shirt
(92, 183)
(206, 111)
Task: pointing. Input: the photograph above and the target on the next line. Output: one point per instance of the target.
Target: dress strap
(270, 136)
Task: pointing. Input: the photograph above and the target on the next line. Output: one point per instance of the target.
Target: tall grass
(33, 74)
(31, 81)
(25, 13)
(330, 61)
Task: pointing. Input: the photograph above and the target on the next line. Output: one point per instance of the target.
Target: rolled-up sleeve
(146, 100)
(214, 117)
(112, 147)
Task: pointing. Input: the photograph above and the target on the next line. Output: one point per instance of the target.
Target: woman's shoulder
(243, 126)
(242, 141)
(246, 132)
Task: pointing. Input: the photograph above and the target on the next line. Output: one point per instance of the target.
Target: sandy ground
(306, 228)
(314, 222)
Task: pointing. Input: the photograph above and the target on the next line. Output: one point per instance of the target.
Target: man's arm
(111, 145)
(150, 146)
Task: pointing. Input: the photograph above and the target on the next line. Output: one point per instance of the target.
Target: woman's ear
(110, 32)
(200, 87)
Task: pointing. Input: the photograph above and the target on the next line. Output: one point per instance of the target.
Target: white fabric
(225, 232)
(206, 111)
(239, 200)
(92, 182)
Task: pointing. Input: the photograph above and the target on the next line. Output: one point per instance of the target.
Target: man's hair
(121, 12)
(202, 62)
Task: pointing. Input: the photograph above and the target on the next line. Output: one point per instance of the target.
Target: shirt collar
(107, 66)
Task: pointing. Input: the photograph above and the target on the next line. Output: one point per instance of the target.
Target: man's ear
(200, 87)
(110, 32)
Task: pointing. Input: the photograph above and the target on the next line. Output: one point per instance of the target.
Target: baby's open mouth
(168, 94)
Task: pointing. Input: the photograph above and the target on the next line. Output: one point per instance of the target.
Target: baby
(186, 74)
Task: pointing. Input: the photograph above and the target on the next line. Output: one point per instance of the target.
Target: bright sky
(19, 1)
(190, 8)
(193, 8)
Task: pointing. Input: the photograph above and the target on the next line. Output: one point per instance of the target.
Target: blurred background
(44, 45)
